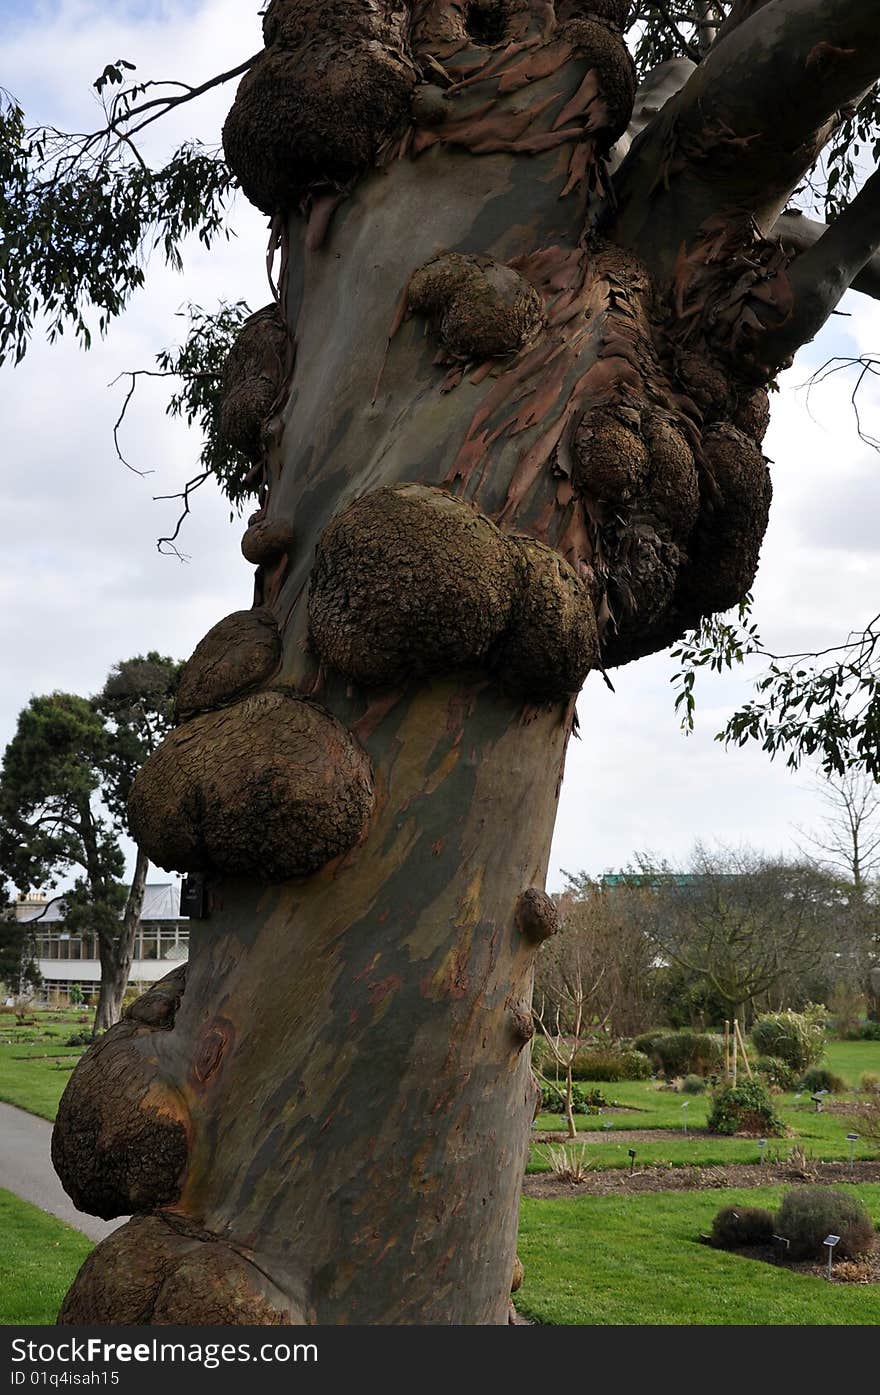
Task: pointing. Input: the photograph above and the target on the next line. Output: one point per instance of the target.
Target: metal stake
(831, 1241)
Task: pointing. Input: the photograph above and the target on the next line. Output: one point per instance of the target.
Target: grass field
(588, 1260)
(39, 1257)
(621, 1261)
(648, 1107)
(35, 1063)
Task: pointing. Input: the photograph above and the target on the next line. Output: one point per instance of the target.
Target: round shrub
(611, 1065)
(808, 1214)
(744, 1108)
(734, 1227)
(793, 1037)
(820, 1078)
(688, 1053)
(693, 1085)
(870, 1083)
(775, 1071)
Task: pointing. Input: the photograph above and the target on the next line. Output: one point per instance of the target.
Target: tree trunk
(116, 951)
(479, 466)
(569, 1104)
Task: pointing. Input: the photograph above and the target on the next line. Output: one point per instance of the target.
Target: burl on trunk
(492, 453)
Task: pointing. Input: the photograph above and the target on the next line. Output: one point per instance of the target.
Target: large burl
(503, 459)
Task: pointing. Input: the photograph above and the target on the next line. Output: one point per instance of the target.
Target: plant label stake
(782, 1241)
(831, 1241)
(632, 1159)
(762, 1144)
(684, 1117)
(851, 1139)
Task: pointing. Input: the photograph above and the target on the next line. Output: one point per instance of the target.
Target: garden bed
(619, 1182)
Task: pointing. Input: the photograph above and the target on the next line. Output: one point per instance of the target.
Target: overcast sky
(82, 584)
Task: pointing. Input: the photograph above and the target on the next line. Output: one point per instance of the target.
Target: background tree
(525, 392)
(19, 972)
(848, 844)
(66, 777)
(137, 703)
(602, 931)
(749, 928)
(51, 826)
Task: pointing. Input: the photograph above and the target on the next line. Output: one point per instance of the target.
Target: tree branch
(740, 11)
(798, 234)
(747, 125)
(821, 275)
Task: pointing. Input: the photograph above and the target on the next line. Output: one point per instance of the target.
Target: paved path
(26, 1169)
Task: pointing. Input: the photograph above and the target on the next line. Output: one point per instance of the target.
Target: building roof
(161, 902)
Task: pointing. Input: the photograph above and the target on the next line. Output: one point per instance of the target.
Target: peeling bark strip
(331, 1124)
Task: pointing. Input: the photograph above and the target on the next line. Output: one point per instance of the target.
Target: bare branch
(167, 545)
(119, 120)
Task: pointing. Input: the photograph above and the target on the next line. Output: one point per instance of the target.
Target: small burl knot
(522, 1026)
(536, 915)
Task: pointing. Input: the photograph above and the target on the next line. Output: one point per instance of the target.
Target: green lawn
(35, 1064)
(621, 1261)
(822, 1135)
(39, 1257)
(851, 1059)
(588, 1260)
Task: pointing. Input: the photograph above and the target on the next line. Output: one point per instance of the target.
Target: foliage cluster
(744, 1108)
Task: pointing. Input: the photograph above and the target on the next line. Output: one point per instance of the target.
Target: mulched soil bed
(604, 1135)
(865, 1270)
(617, 1181)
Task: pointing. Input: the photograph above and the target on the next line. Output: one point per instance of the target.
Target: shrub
(582, 1101)
(870, 1083)
(820, 1078)
(867, 1031)
(611, 1065)
(693, 1085)
(775, 1071)
(648, 1040)
(737, 1226)
(808, 1214)
(744, 1108)
(689, 1053)
(79, 1039)
(795, 1037)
